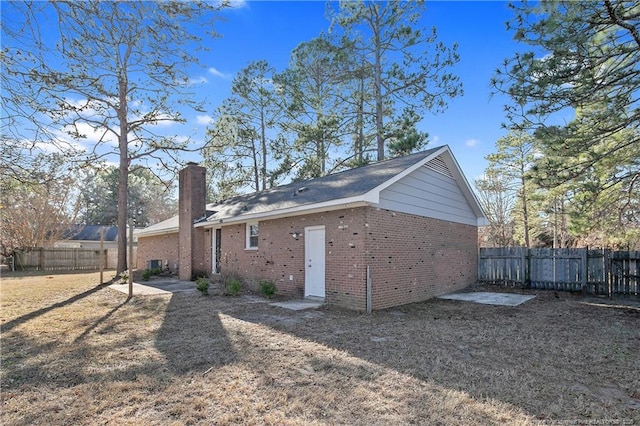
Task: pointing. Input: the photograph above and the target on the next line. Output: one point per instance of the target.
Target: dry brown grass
(77, 353)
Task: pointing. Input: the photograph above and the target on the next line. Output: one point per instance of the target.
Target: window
(252, 235)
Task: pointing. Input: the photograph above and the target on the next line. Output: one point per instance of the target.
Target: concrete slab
(488, 298)
(157, 286)
(299, 305)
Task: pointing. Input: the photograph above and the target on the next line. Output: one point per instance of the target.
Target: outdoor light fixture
(295, 234)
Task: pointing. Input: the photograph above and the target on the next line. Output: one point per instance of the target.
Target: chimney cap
(192, 163)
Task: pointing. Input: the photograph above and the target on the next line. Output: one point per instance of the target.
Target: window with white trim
(252, 235)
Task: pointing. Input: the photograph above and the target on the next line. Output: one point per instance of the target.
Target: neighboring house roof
(90, 233)
(350, 188)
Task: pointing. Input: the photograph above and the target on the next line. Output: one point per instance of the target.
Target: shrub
(232, 287)
(124, 276)
(148, 273)
(267, 288)
(202, 284)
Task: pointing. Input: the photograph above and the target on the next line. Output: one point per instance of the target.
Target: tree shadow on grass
(46, 354)
(8, 326)
(192, 337)
(100, 354)
(100, 321)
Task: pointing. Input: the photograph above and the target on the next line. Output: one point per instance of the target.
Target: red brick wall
(163, 247)
(280, 257)
(411, 258)
(414, 258)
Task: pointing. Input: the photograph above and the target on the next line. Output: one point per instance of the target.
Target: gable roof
(166, 226)
(346, 185)
(355, 187)
(90, 233)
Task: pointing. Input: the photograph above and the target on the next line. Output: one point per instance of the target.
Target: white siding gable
(429, 191)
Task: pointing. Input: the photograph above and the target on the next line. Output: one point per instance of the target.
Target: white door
(314, 261)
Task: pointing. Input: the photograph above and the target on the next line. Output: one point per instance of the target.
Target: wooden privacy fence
(65, 259)
(600, 272)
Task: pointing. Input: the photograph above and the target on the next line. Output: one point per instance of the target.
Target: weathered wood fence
(65, 259)
(600, 272)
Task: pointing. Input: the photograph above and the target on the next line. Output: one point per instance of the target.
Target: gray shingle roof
(300, 196)
(90, 233)
(338, 186)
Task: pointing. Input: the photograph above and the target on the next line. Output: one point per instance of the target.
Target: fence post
(101, 257)
(368, 290)
(41, 259)
(523, 268)
(527, 267)
(606, 260)
(627, 273)
(585, 268)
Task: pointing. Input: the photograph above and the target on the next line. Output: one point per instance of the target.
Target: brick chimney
(191, 206)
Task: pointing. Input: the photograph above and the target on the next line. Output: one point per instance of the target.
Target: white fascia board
(468, 192)
(164, 231)
(344, 203)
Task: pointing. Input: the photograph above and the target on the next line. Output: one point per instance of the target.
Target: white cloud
(204, 119)
(93, 134)
(59, 146)
(434, 139)
(83, 108)
(471, 142)
(198, 80)
(164, 119)
(213, 71)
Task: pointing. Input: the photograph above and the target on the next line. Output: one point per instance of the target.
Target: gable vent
(438, 165)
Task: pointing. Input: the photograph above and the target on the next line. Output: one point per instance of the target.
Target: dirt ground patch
(74, 352)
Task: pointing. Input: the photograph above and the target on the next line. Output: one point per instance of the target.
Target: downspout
(368, 290)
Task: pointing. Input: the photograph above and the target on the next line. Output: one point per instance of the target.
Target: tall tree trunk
(256, 166)
(359, 148)
(263, 146)
(377, 71)
(323, 159)
(320, 145)
(525, 211)
(123, 181)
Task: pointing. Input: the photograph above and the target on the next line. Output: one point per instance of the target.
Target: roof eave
(467, 190)
(156, 232)
(344, 203)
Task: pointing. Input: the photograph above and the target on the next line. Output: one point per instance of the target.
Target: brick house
(395, 232)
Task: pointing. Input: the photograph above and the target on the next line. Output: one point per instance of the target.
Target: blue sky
(270, 30)
(470, 125)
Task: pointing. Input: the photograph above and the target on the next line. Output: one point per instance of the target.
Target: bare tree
(103, 72)
(35, 211)
(498, 201)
